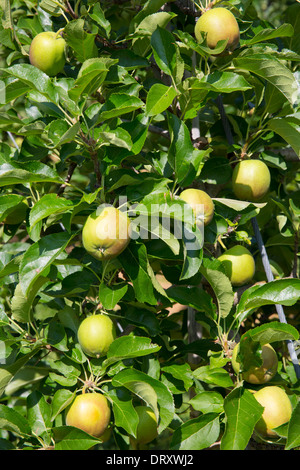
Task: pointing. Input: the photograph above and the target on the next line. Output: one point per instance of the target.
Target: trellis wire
(261, 246)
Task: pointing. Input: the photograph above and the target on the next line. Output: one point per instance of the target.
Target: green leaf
(40, 256)
(293, 436)
(70, 438)
(221, 82)
(165, 52)
(119, 104)
(195, 297)
(7, 373)
(272, 70)
(181, 151)
(21, 304)
(61, 399)
(35, 79)
(125, 415)
(288, 130)
(48, 204)
(284, 30)
(98, 16)
(216, 376)
(39, 415)
(109, 296)
(54, 7)
(272, 332)
(164, 396)
(208, 402)
(221, 285)
(242, 412)
(197, 434)
(135, 262)
(281, 292)
(90, 76)
(179, 372)
(159, 98)
(82, 43)
(192, 239)
(19, 173)
(8, 203)
(126, 347)
(11, 420)
(143, 32)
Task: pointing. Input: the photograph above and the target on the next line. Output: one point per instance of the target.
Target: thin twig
(71, 169)
(70, 10)
(94, 156)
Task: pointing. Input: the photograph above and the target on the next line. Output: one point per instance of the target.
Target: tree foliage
(142, 111)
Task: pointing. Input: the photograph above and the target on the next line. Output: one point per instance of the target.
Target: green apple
(106, 233)
(277, 410)
(47, 52)
(251, 180)
(219, 24)
(147, 425)
(95, 334)
(89, 412)
(261, 374)
(239, 265)
(200, 202)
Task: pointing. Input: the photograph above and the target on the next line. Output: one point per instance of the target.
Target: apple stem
(58, 33)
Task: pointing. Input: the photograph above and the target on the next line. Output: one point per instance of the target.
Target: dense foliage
(140, 112)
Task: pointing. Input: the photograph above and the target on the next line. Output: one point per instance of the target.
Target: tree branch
(71, 169)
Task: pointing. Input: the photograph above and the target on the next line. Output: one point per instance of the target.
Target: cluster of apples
(91, 411)
(107, 233)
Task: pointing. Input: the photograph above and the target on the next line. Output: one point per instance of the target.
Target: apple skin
(147, 426)
(196, 198)
(106, 233)
(277, 410)
(95, 335)
(219, 24)
(251, 180)
(239, 265)
(47, 53)
(89, 412)
(261, 374)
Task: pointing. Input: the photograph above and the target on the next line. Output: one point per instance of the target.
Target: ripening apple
(200, 202)
(47, 52)
(251, 180)
(95, 334)
(239, 265)
(260, 374)
(277, 410)
(147, 425)
(219, 24)
(106, 233)
(89, 412)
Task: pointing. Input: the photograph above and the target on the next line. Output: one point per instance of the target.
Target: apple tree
(149, 224)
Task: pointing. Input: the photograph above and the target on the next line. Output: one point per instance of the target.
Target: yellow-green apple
(260, 374)
(95, 334)
(277, 410)
(200, 202)
(239, 265)
(106, 233)
(47, 52)
(218, 24)
(89, 412)
(251, 180)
